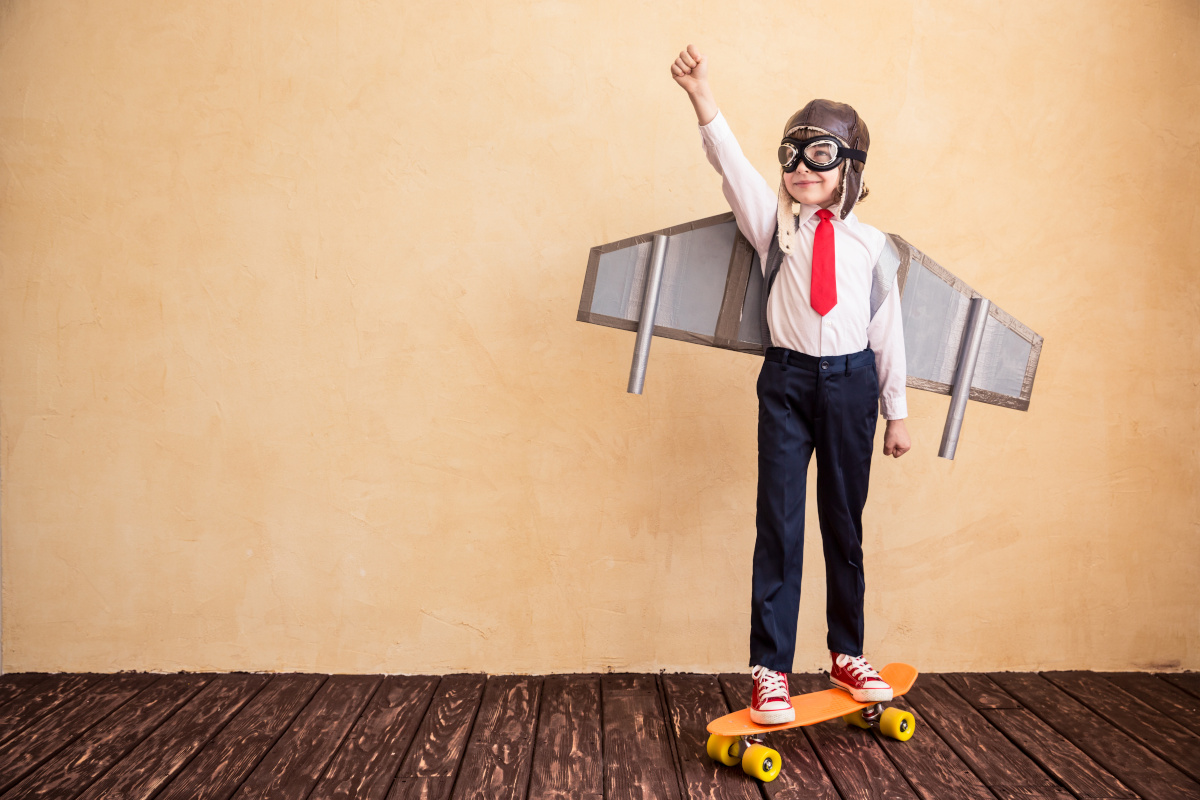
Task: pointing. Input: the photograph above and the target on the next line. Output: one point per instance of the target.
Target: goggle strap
(857, 155)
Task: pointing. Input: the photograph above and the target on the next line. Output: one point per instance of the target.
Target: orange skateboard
(735, 739)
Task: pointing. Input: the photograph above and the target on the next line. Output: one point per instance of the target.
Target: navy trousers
(805, 403)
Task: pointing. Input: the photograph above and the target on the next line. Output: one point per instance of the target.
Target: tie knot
(825, 214)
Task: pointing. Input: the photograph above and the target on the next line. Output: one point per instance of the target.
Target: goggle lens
(822, 153)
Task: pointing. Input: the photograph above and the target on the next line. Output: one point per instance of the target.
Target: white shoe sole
(865, 695)
(773, 717)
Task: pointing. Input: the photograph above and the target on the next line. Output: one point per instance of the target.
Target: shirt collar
(807, 212)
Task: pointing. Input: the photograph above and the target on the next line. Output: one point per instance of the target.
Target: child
(829, 367)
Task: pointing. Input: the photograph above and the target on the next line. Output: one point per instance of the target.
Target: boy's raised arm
(753, 202)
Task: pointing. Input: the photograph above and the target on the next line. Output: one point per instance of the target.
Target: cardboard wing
(701, 282)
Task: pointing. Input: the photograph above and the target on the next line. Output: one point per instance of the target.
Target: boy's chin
(819, 202)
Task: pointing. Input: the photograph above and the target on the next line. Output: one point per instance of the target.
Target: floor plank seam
(665, 710)
(450, 793)
(812, 744)
(412, 742)
(275, 740)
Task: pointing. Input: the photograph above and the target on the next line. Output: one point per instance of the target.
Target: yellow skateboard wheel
(899, 725)
(726, 749)
(760, 761)
(856, 719)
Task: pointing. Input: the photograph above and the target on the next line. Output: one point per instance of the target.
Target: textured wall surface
(290, 377)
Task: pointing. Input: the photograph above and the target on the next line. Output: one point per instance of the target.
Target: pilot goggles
(820, 153)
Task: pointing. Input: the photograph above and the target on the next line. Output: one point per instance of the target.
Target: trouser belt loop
(847, 366)
(784, 360)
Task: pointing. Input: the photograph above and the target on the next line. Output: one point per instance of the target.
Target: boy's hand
(895, 439)
(690, 70)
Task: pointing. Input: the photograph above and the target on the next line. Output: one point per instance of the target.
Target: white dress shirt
(848, 327)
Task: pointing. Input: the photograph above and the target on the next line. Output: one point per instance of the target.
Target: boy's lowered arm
(885, 336)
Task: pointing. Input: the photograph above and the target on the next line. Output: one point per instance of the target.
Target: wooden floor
(1012, 736)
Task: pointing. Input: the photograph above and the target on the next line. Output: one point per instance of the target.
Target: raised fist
(690, 70)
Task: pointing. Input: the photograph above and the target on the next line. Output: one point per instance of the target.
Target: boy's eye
(822, 152)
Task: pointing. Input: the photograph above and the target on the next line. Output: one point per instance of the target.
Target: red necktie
(823, 289)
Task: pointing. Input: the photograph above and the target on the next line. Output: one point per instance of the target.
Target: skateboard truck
(871, 714)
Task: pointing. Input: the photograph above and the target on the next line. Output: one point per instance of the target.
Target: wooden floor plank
(1065, 762)
(76, 766)
(1166, 698)
(29, 706)
(427, 787)
(991, 756)
(1188, 681)
(1173, 742)
(499, 756)
(568, 759)
(856, 763)
(15, 684)
(223, 764)
(159, 756)
(803, 775)
(692, 702)
(1131, 762)
(1031, 793)
(979, 690)
(429, 769)
(58, 728)
(638, 759)
(369, 758)
(292, 767)
(929, 765)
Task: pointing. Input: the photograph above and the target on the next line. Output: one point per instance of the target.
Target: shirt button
(824, 365)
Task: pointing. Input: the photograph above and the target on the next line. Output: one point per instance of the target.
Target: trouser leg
(844, 427)
(784, 449)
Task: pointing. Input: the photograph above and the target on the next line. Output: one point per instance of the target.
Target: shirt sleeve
(754, 204)
(885, 335)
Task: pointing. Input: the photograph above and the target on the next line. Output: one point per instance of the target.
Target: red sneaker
(859, 678)
(771, 704)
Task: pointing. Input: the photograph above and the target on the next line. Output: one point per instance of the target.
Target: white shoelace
(774, 684)
(859, 666)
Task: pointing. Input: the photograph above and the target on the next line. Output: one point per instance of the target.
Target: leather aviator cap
(843, 122)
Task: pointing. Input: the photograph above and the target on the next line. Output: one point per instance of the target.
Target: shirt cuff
(714, 132)
(893, 407)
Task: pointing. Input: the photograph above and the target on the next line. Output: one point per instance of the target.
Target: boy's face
(813, 188)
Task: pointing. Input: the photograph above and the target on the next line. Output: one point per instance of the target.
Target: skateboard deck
(814, 707)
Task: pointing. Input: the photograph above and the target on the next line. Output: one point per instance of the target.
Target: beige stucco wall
(290, 377)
